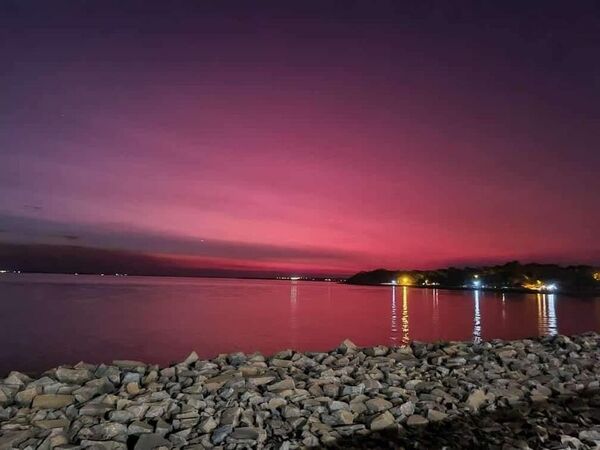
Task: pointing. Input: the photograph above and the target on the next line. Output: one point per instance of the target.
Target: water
(47, 320)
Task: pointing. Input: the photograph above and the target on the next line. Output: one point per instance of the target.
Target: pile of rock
(450, 394)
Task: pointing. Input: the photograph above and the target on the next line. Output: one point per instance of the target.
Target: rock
(377, 405)
(220, 434)
(26, 396)
(129, 364)
(290, 412)
(276, 402)
(191, 359)
(298, 399)
(337, 405)
(347, 346)
(207, 425)
(73, 376)
(133, 388)
(259, 380)
(108, 430)
(151, 441)
(52, 401)
(138, 427)
(407, 408)
(383, 421)
(245, 433)
(94, 410)
(416, 421)
(49, 424)
(230, 416)
(590, 436)
(103, 445)
(476, 399)
(121, 416)
(11, 439)
(434, 415)
(282, 385)
(343, 417)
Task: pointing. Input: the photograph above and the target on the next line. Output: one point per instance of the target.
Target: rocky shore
(538, 393)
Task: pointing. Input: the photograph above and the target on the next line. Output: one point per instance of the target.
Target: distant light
(394, 282)
(552, 287)
(406, 280)
(477, 283)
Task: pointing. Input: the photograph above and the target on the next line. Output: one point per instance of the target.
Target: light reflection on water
(394, 319)
(476, 318)
(160, 320)
(547, 322)
(405, 323)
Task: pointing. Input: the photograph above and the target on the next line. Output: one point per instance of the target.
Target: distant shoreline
(511, 290)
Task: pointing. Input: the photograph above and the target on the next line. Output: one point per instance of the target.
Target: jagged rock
(376, 405)
(383, 421)
(347, 346)
(207, 425)
(407, 409)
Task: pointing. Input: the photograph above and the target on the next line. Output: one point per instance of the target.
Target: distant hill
(512, 275)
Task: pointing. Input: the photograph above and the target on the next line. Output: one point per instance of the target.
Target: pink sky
(245, 146)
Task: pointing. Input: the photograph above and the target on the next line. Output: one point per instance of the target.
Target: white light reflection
(293, 312)
(547, 321)
(476, 320)
(394, 319)
(436, 310)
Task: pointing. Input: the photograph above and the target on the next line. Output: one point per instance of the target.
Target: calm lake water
(47, 320)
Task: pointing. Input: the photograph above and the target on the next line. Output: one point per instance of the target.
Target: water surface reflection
(162, 319)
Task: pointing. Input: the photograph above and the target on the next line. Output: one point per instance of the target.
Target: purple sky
(315, 137)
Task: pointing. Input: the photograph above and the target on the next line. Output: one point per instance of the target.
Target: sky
(297, 137)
